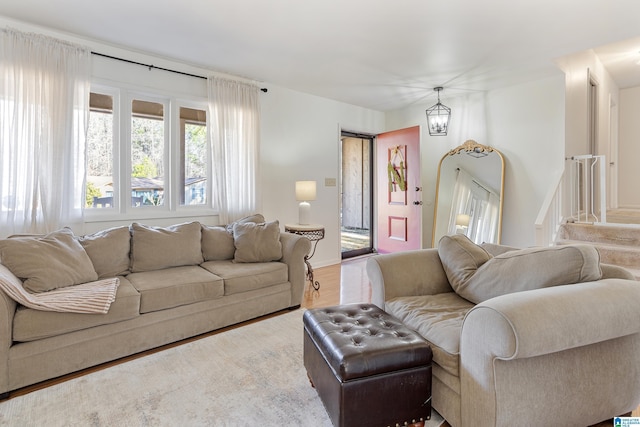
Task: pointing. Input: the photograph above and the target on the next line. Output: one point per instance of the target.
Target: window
(99, 186)
(193, 151)
(160, 161)
(147, 153)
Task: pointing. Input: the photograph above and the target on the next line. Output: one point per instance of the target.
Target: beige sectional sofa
(538, 336)
(172, 283)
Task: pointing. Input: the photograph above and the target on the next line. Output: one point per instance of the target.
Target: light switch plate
(329, 182)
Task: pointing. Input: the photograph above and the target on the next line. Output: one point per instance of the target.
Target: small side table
(313, 232)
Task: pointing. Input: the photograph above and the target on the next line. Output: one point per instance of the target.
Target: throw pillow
(533, 268)
(460, 258)
(257, 242)
(255, 218)
(44, 263)
(109, 251)
(495, 249)
(524, 269)
(155, 248)
(217, 243)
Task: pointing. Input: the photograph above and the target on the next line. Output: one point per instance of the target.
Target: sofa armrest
(408, 273)
(7, 311)
(582, 337)
(294, 249)
(540, 321)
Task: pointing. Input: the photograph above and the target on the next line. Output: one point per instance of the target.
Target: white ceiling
(380, 54)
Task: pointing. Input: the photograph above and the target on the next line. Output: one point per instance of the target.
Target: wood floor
(339, 284)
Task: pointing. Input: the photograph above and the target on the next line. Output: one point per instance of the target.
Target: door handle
(417, 202)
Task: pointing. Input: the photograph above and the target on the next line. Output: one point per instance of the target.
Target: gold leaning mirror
(469, 194)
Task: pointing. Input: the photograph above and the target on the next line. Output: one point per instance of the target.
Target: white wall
(300, 140)
(629, 149)
(527, 124)
(524, 122)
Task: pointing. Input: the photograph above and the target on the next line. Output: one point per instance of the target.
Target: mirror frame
(469, 146)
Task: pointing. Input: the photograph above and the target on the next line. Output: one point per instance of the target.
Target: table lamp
(462, 223)
(305, 191)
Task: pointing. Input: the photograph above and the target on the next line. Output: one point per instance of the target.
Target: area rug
(252, 375)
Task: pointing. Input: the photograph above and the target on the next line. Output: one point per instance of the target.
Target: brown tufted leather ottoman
(367, 366)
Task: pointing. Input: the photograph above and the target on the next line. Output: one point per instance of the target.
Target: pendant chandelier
(438, 117)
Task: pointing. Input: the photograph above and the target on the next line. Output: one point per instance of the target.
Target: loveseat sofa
(167, 284)
(530, 337)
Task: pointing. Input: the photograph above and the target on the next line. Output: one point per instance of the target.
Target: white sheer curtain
(491, 216)
(44, 108)
(481, 204)
(461, 198)
(234, 137)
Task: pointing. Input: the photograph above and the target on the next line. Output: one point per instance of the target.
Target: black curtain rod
(150, 66)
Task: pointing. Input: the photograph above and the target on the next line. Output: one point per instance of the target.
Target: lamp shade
(305, 190)
(462, 220)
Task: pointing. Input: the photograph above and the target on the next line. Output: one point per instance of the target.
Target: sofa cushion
(52, 261)
(172, 287)
(248, 277)
(521, 270)
(257, 242)
(460, 258)
(255, 218)
(495, 249)
(109, 251)
(30, 324)
(155, 248)
(438, 318)
(217, 243)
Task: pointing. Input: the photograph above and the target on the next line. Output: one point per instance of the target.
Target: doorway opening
(356, 201)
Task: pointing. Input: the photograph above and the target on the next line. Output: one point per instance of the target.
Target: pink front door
(399, 194)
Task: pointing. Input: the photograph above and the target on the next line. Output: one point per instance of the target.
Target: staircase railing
(588, 185)
(550, 215)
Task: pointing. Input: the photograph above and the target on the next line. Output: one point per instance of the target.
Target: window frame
(122, 210)
(114, 93)
(177, 155)
(125, 199)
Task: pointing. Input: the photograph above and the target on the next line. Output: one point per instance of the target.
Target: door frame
(372, 193)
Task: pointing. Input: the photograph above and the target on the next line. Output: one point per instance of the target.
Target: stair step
(617, 244)
(625, 256)
(628, 258)
(614, 235)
